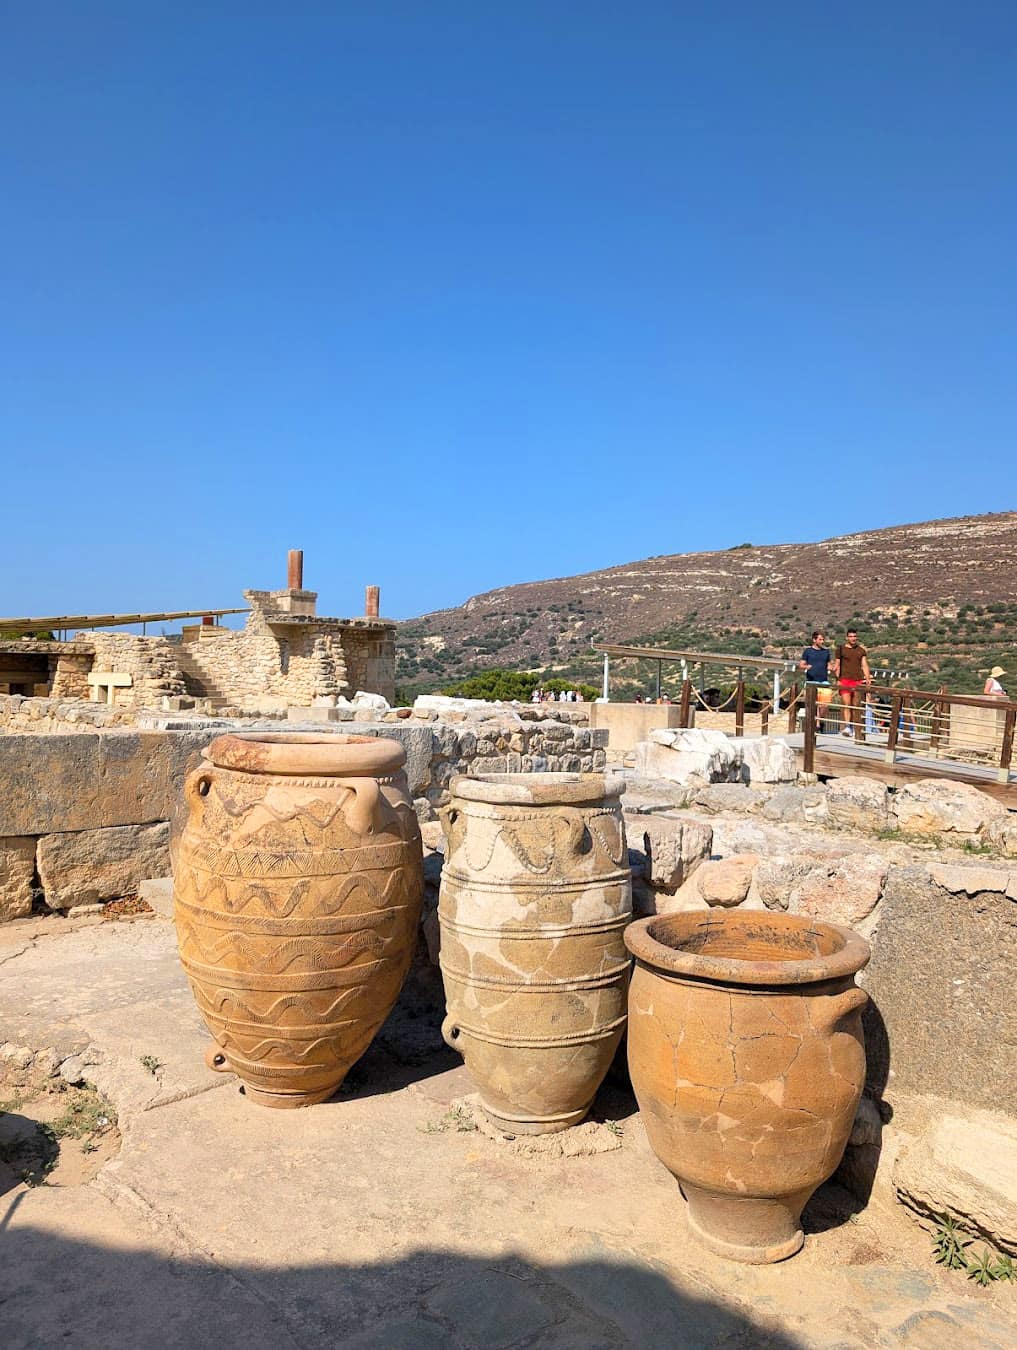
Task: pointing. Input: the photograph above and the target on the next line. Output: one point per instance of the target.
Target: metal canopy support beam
(659, 671)
(607, 661)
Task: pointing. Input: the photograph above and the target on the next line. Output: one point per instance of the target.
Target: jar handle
(839, 1007)
(364, 814)
(197, 784)
(575, 822)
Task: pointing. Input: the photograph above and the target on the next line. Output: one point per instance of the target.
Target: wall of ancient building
(370, 659)
(152, 663)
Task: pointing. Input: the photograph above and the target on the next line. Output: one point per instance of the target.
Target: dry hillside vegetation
(939, 598)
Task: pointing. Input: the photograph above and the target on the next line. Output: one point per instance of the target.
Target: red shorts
(851, 684)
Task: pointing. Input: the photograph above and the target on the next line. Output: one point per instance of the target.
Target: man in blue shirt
(816, 660)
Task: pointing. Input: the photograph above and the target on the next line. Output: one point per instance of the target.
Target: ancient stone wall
(153, 664)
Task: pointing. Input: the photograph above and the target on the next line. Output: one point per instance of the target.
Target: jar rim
(302, 752)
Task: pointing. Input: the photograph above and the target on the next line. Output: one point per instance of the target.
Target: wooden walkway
(838, 757)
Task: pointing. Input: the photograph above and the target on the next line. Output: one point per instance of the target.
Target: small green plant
(970, 846)
(616, 1127)
(152, 1064)
(950, 1250)
(983, 1268)
(456, 1119)
(87, 1114)
(948, 1246)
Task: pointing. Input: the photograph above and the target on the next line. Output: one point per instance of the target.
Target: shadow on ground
(54, 1291)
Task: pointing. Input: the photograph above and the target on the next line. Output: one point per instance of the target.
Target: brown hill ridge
(899, 576)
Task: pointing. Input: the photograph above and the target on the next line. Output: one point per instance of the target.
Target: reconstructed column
(295, 570)
(372, 600)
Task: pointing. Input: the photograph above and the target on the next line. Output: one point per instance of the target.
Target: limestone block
(692, 757)
(94, 865)
(936, 806)
(765, 759)
(941, 981)
(797, 803)
(970, 880)
(858, 803)
(83, 780)
(1001, 833)
(17, 868)
(775, 878)
(725, 881)
(845, 891)
(666, 849)
(965, 1166)
(717, 797)
(647, 795)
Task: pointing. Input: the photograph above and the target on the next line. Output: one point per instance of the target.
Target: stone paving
(373, 1221)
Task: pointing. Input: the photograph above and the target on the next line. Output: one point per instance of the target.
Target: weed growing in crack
(950, 1250)
(152, 1064)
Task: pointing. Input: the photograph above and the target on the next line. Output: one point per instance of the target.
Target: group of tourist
(848, 664)
(549, 696)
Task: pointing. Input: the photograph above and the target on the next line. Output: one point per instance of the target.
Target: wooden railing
(916, 720)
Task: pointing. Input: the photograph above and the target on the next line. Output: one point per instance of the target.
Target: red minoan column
(372, 600)
(295, 570)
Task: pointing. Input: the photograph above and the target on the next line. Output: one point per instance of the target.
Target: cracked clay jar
(746, 1055)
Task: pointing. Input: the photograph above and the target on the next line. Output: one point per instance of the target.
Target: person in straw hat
(993, 688)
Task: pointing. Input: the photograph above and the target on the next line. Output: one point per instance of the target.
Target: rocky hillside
(938, 597)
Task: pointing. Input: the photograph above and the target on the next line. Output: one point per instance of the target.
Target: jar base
(525, 1124)
(288, 1101)
(718, 1222)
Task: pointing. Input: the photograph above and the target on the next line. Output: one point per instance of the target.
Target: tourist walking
(851, 667)
(815, 662)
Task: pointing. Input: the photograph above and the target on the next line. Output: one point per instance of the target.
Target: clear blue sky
(454, 295)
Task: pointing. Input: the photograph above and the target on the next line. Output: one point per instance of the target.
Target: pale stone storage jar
(747, 1059)
(535, 896)
(298, 883)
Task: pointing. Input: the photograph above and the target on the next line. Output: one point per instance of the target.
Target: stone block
(858, 803)
(941, 983)
(716, 797)
(95, 865)
(765, 759)
(725, 881)
(936, 806)
(665, 848)
(964, 1166)
(80, 781)
(845, 890)
(17, 868)
(797, 803)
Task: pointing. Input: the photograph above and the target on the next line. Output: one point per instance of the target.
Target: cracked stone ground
(376, 1220)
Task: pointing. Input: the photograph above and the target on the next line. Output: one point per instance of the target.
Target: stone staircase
(197, 682)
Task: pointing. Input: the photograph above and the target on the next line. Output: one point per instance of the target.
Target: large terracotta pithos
(297, 891)
(746, 1055)
(535, 896)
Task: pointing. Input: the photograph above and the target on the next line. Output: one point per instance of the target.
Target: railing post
(891, 732)
(907, 740)
(937, 720)
(764, 719)
(1006, 754)
(659, 673)
(686, 702)
(740, 707)
(792, 708)
(606, 663)
(809, 754)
